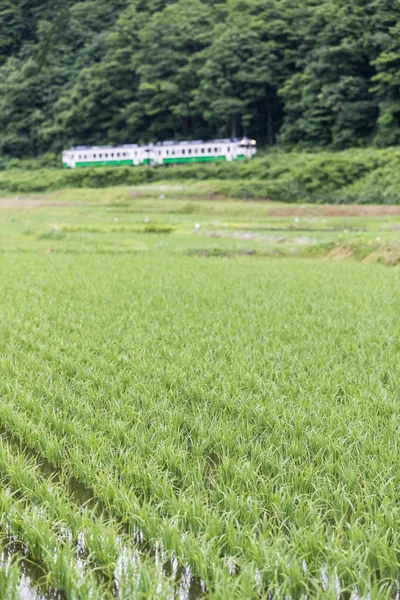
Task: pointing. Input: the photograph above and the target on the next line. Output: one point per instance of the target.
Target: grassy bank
(354, 176)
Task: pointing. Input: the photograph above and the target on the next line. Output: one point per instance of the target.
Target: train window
(190, 151)
(229, 148)
(202, 150)
(215, 149)
(79, 156)
(94, 156)
(106, 155)
(183, 151)
(209, 150)
(173, 152)
(167, 152)
(118, 154)
(112, 154)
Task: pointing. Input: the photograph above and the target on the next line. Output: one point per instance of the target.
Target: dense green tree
(91, 109)
(302, 74)
(172, 56)
(281, 27)
(21, 112)
(223, 93)
(330, 103)
(386, 81)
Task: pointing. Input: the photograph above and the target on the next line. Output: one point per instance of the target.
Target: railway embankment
(357, 176)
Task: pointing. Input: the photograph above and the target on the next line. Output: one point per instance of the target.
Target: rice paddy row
(173, 427)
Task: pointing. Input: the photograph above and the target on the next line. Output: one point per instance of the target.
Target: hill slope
(315, 74)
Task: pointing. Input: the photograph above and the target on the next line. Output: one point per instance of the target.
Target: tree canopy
(310, 74)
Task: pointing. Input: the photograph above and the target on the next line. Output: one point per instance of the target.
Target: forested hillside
(309, 74)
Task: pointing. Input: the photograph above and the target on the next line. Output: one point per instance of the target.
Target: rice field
(183, 418)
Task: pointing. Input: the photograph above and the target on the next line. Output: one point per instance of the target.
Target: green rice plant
(182, 427)
(9, 579)
(75, 548)
(30, 531)
(148, 228)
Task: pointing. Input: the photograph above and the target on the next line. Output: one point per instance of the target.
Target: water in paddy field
(31, 584)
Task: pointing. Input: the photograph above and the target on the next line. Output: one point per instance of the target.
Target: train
(160, 153)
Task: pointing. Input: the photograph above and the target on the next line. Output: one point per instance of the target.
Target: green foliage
(365, 176)
(306, 75)
(329, 103)
(173, 43)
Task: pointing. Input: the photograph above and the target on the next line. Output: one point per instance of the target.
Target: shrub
(362, 176)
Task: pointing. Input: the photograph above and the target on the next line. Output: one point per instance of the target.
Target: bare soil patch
(37, 202)
(332, 210)
(180, 195)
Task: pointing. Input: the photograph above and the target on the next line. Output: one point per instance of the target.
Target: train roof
(102, 147)
(194, 142)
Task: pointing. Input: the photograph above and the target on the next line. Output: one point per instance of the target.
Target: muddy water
(32, 582)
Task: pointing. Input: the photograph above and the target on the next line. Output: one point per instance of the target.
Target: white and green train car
(166, 153)
(162, 153)
(106, 156)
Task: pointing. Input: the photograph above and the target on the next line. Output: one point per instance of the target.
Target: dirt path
(37, 202)
(332, 210)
